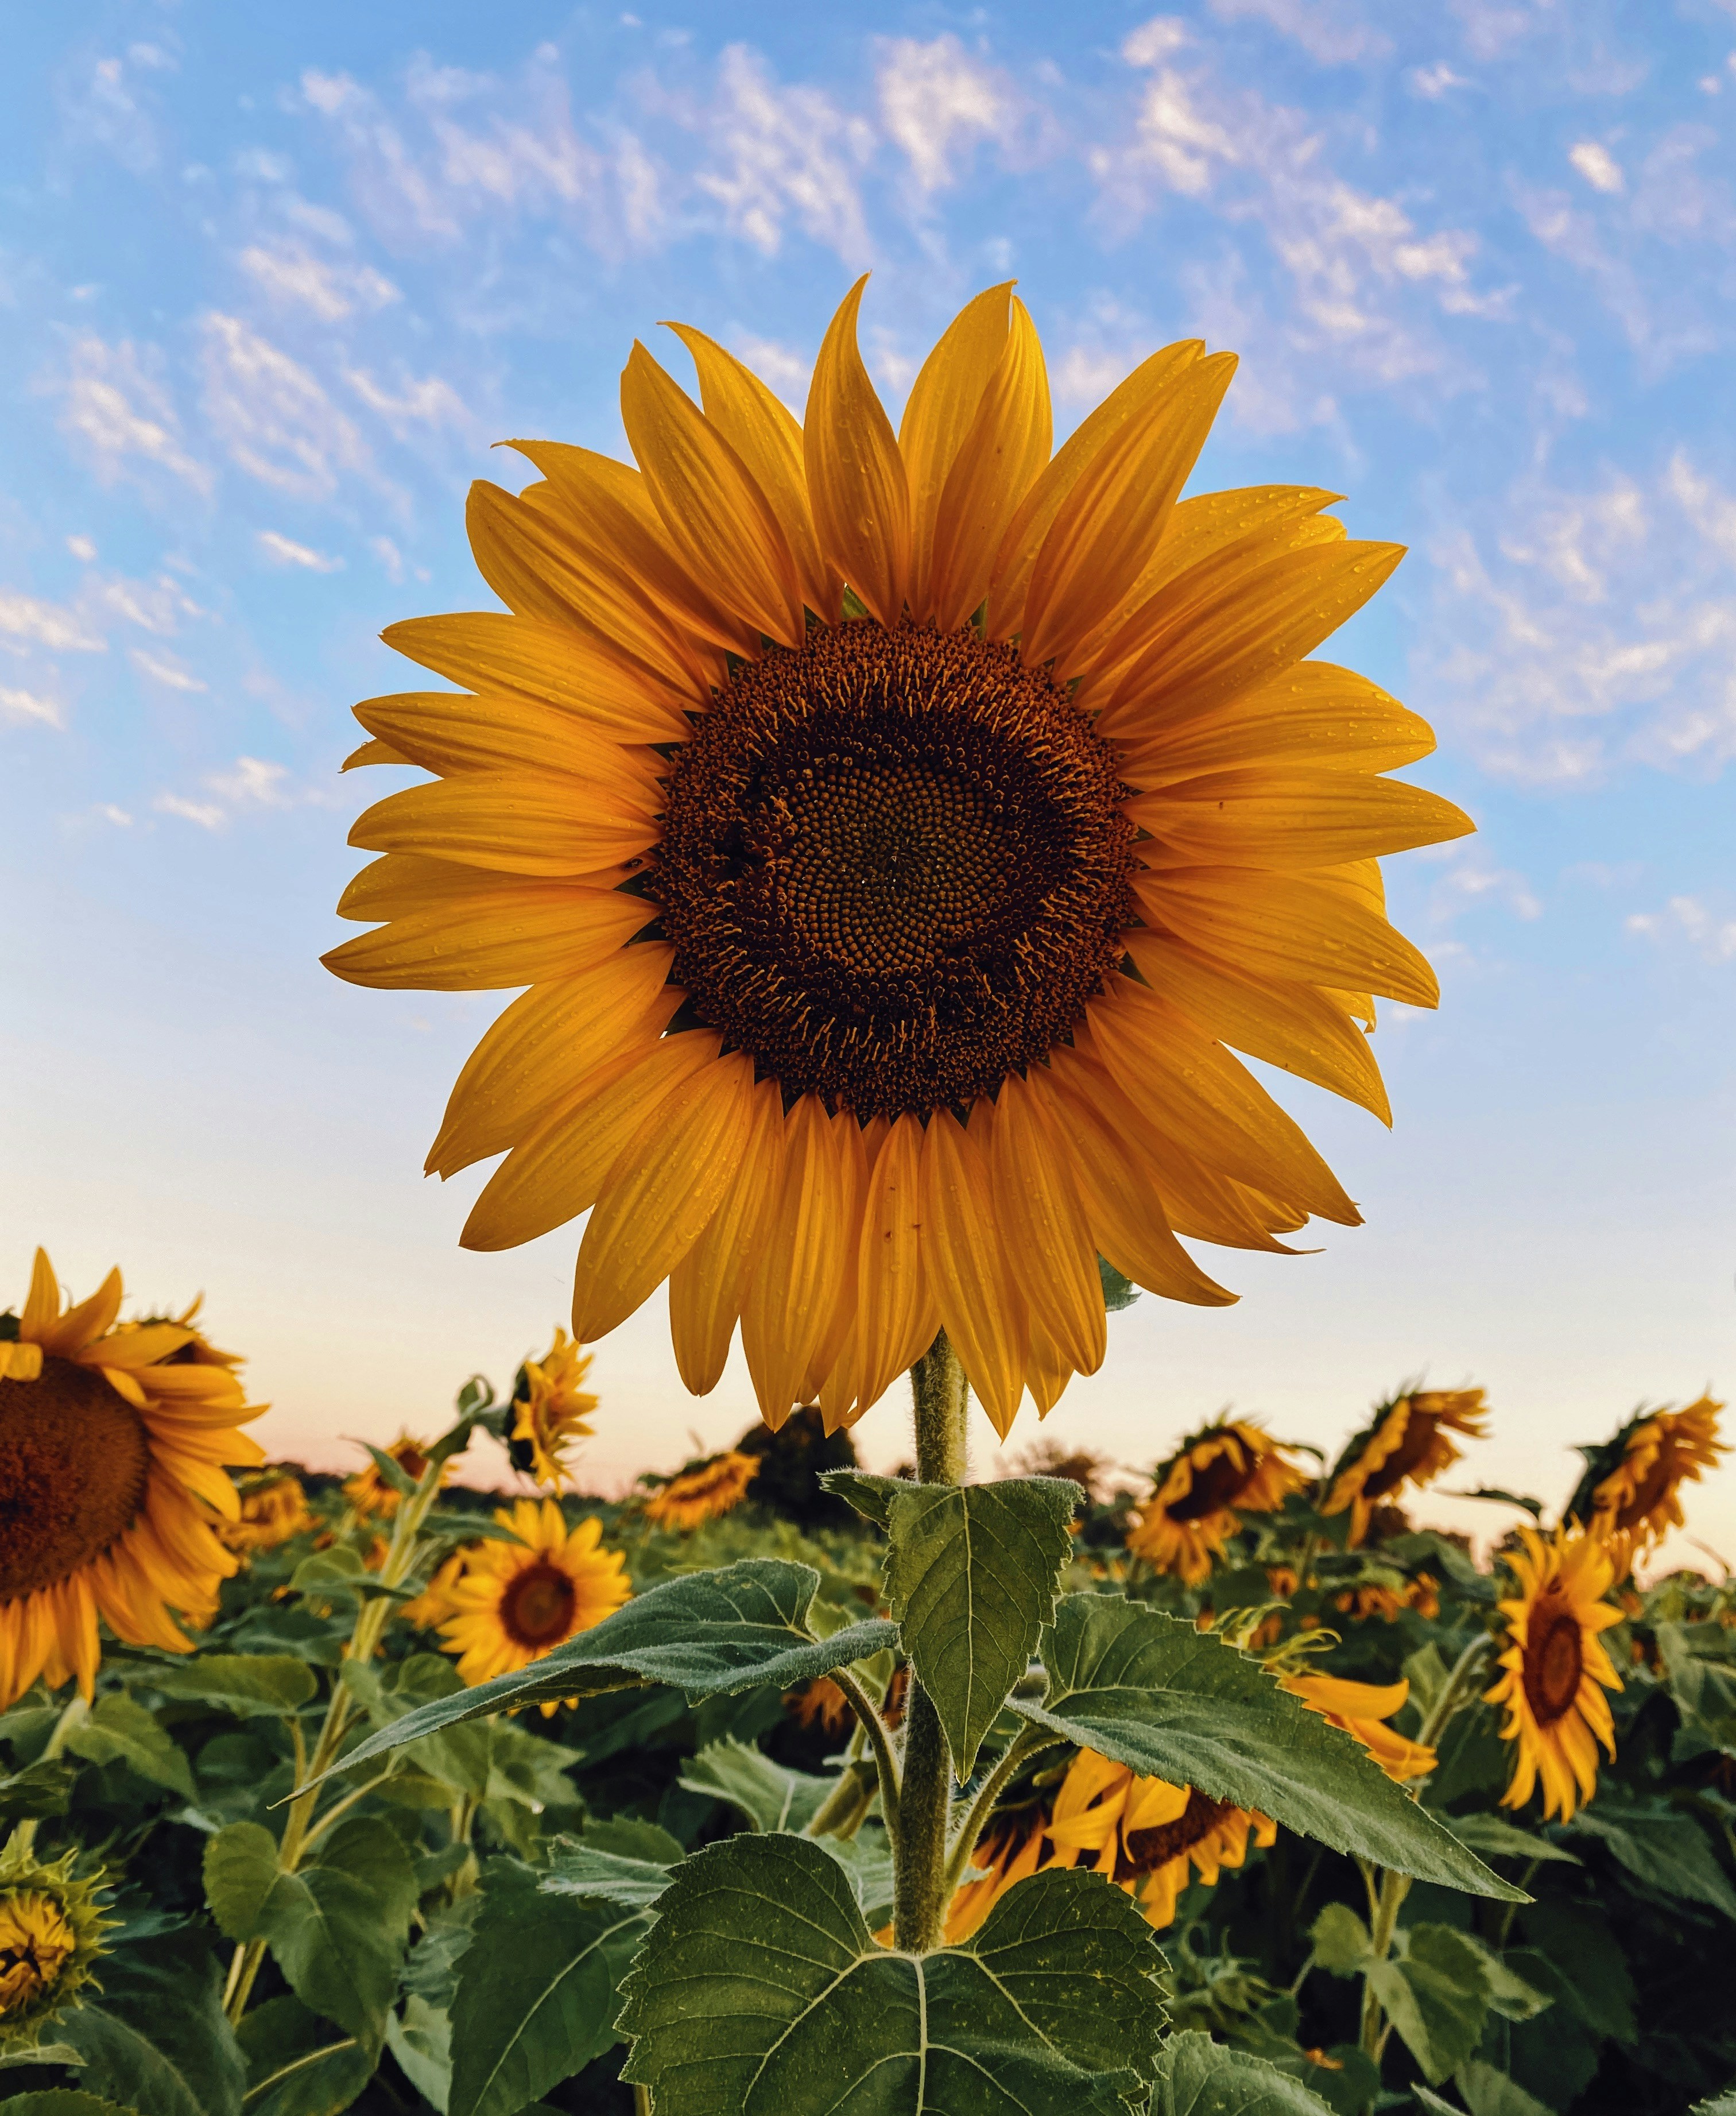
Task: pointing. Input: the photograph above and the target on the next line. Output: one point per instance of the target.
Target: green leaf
(240, 1869)
(1574, 1941)
(771, 1796)
(709, 1634)
(1719, 2104)
(866, 1858)
(761, 1991)
(1150, 1690)
(1509, 1994)
(158, 2042)
(971, 1579)
(871, 1496)
(39, 2053)
(1118, 1290)
(1342, 1945)
(1488, 2092)
(120, 1730)
(296, 2065)
(61, 2101)
(525, 1769)
(1501, 1840)
(1667, 1851)
(39, 1789)
(392, 1470)
(1436, 1995)
(249, 1684)
(1197, 2076)
(421, 2041)
(337, 1931)
(535, 2001)
(576, 1867)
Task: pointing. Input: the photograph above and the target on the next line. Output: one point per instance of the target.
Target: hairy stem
(1016, 1753)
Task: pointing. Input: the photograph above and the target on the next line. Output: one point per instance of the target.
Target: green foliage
(770, 1795)
(246, 1685)
(297, 2063)
(760, 1989)
(1197, 2076)
(61, 2101)
(121, 1731)
(41, 1789)
(157, 2042)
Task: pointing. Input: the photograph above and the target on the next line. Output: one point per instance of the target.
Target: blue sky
(272, 281)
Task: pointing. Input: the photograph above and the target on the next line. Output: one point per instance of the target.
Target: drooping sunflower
(1558, 1667)
(703, 1491)
(1632, 1486)
(1362, 1709)
(274, 1510)
(51, 1930)
(112, 1478)
(514, 1602)
(551, 1405)
(1405, 1443)
(370, 1497)
(1228, 1469)
(896, 833)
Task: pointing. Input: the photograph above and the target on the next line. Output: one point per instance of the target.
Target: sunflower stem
(919, 1892)
(1013, 1758)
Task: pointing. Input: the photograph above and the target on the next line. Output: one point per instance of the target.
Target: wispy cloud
(780, 153)
(285, 551)
(271, 414)
(26, 706)
(250, 782)
(289, 274)
(1686, 919)
(936, 101)
(117, 411)
(60, 628)
(167, 670)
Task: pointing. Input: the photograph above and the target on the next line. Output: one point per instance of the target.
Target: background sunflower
(515, 1600)
(1406, 1444)
(1557, 1667)
(1632, 1486)
(1200, 1494)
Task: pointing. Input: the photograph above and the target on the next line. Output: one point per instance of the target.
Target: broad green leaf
(866, 1858)
(120, 1730)
(577, 1868)
(1488, 2092)
(1721, 2104)
(158, 2041)
(61, 2101)
(431, 1970)
(240, 1869)
(1501, 1840)
(709, 1634)
(337, 1931)
(459, 1757)
(39, 2054)
(1573, 1941)
(760, 1991)
(1341, 1941)
(1150, 1690)
(524, 1768)
(536, 1996)
(1436, 1995)
(1509, 1994)
(871, 1496)
(629, 1837)
(971, 1577)
(1667, 1851)
(1118, 1290)
(421, 2041)
(770, 1794)
(39, 1789)
(298, 2065)
(249, 1684)
(1197, 2076)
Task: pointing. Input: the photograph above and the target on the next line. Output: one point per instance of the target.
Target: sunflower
(434, 1605)
(819, 1704)
(1406, 1443)
(51, 1930)
(895, 834)
(703, 1491)
(112, 1449)
(1557, 1667)
(551, 1408)
(516, 1601)
(1362, 1710)
(1199, 1495)
(368, 1491)
(274, 1509)
(1632, 1484)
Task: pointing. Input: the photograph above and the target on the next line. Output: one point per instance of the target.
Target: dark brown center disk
(893, 868)
(1219, 1485)
(1555, 1659)
(1146, 1850)
(536, 1610)
(74, 1459)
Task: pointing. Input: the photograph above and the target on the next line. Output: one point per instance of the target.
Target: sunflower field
(896, 840)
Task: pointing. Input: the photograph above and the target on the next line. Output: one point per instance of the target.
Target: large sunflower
(1632, 1485)
(112, 1447)
(895, 833)
(1199, 1496)
(1557, 1667)
(1406, 1443)
(516, 1601)
(550, 1406)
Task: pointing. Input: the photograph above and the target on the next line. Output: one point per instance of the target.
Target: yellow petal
(544, 1044)
(84, 1323)
(493, 933)
(1047, 1372)
(660, 1193)
(981, 1309)
(787, 1305)
(1002, 454)
(452, 731)
(129, 1349)
(939, 413)
(18, 1362)
(767, 436)
(373, 752)
(564, 665)
(1290, 926)
(1290, 819)
(1043, 1224)
(714, 512)
(1257, 624)
(897, 1317)
(1315, 715)
(1010, 581)
(849, 1182)
(707, 1287)
(857, 483)
(562, 1157)
(41, 1309)
(513, 822)
(1109, 526)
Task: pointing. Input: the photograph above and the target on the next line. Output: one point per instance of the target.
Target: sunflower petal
(845, 1143)
(1287, 820)
(373, 752)
(574, 667)
(857, 481)
(786, 1313)
(494, 932)
(513, 822)
(41, 1309)
(1047, 1373)
(981, 1309)
(939, 413)
(706, 1288)
(897, 1317)
(1315, 715)
(452, 731)
(1038, 1208)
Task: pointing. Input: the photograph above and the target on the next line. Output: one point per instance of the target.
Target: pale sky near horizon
(273, 281)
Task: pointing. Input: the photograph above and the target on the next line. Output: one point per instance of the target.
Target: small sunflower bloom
(893, 834)
(703, 1491)
(274, 1511)
(516, 1601)
(51, 1930)
(1200, 1495)
(115, 1451)
(1407, 1444)
(1558, 1668)
(370, 1497)
(1632, 1485)
(550, 1409)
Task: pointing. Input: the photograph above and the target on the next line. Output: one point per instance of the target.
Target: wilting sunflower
(896, 833)
(703, 1491)
(515, 1602)
(52, 1928)
(1632, 1484)
(1199, 1496)
(1362, 1709)
(550, 1405)
(112, 1448)
(1406, 1443)
(1558, 1668)
(368, 1491)
(274, 1509)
